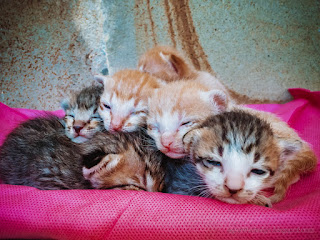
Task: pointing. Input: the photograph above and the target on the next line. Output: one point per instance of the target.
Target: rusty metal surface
(259, 48)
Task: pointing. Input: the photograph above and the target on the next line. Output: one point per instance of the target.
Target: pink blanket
(115, 214)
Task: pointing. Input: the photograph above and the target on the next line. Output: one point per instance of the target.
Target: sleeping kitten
(123, 160)
(82, 119)
(168, 64)
(39, 154)
(124, 102)
(239, 155)
(177, 107)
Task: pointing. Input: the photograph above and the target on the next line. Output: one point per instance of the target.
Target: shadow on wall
(47, 50)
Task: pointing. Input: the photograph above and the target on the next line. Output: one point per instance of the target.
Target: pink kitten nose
(166, 141)
(116, 125)
(234, 183)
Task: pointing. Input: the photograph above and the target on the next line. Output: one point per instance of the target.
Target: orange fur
(124, 101)
(177, 106)
(167, 63)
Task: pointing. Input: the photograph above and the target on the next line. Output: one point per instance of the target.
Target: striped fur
(124, 102)
(239, 155)
(82, 120)
(123, 161)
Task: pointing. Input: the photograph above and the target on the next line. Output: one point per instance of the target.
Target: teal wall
(259, 48)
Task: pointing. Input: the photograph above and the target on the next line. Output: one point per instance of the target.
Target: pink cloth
(115, 214)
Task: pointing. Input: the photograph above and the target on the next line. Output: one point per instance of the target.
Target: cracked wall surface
(259, 48)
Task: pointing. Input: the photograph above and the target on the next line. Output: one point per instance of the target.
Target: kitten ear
(288, 148)
(218, 99)
(103, 80)
(172, 60)
(65, 104)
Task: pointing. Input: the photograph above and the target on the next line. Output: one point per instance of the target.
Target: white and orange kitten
(177, 107)
(124, 101)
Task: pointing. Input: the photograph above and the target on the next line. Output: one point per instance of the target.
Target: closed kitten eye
(138, 112)
(258, 171)
(188, 123)
(70, 115)
(209, 163)
(106, 106)
(152, 127)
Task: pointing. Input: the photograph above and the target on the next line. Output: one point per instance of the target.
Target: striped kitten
(82, 119)
(123, 161)
(124, 102)
(39, 154)
(177, 107)
(239, 155)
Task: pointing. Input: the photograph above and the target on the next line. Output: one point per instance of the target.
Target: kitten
(168, 64)
(177, 107)
(123, 160)
(239, 155)
(82, 119)
(39, 154)
(124, 102)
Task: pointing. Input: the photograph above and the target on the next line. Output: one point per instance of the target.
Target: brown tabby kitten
(123, 160)
(82, 119)
(239, 155)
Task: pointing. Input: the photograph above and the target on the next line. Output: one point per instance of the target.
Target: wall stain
(169, 18)
(187, 34)
(151, 23)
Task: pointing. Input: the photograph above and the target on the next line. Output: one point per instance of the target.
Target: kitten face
(177, 107)
(236, 154)
(123, 105)
(82, 119)
(121, 161)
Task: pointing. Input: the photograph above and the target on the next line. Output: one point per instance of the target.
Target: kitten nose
(232, 191)
(77, 129)
(166, 140)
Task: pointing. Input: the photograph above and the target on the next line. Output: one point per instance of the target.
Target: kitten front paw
(262, 200)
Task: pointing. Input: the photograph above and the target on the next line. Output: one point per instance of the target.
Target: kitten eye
(209, 163)
(106, 106)
(70, 115)
(137, 112)
(258, 171)
(188, 123)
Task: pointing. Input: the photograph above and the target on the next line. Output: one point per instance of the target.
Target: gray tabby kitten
(82, 119)
(39, 154)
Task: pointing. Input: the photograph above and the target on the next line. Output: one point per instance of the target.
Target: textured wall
(259, 48)
(47, 49)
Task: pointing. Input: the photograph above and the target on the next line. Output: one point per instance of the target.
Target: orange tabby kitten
(124, 101)
(177, 107)
(170, 65)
